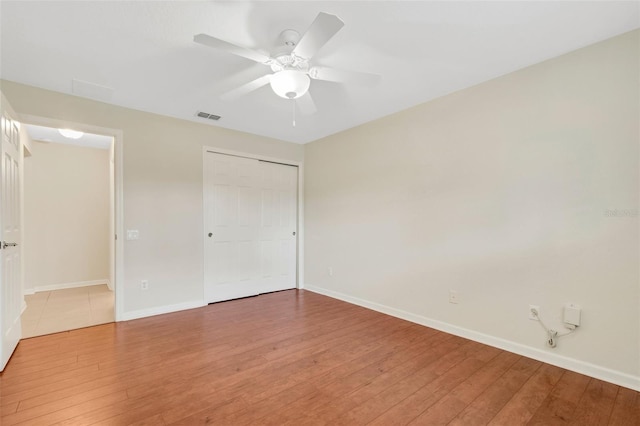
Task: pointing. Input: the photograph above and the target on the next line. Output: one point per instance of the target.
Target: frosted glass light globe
(290, 84)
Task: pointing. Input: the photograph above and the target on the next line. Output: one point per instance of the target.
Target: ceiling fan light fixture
(71, 134)
(290, 84)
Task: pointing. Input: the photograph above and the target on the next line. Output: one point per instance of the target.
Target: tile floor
(61, 310)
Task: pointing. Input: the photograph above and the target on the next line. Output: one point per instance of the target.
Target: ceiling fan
(290, 63)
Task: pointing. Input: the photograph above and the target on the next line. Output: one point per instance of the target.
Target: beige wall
(162, 189)
(66, 215)
(500, 192)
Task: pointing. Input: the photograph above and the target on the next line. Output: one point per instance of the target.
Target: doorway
(69, 222)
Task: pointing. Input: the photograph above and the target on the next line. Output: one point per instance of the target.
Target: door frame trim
(300, 203)
(118, 213)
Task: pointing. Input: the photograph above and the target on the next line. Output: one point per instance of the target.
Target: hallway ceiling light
(71, 134)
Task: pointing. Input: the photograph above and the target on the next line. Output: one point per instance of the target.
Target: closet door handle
(6, 244)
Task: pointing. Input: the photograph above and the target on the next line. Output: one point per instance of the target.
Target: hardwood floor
(294, 358)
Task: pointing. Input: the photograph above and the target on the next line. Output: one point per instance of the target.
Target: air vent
(207, 115)
(91, 90)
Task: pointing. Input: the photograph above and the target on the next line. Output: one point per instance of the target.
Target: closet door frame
(300, 205)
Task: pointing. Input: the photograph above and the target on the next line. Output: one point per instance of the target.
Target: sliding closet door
(250, 210)
(231, 204)
(278, 227)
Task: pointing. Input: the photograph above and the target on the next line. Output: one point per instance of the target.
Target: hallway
(61, 310)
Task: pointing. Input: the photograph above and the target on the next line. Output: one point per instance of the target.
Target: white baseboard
(109, 285)
(143, 313)
(62, 286)
(592, 370)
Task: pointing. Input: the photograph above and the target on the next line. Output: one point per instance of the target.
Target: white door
(10, 232)
(231, 225)
(250, 227)
(278, 226)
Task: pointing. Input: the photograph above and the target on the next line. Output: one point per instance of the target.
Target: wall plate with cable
(571, 315)
(533, 316)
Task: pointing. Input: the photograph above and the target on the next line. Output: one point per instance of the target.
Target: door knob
(294, 233)
(210, 234)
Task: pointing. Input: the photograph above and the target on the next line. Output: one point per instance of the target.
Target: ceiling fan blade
(216, 43)
(342, 76)
(306, 104)
(319, 33)
(246, 88)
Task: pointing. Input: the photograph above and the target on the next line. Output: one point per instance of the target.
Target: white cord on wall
(552, 335)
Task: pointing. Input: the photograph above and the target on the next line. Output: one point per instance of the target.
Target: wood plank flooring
(292, 358)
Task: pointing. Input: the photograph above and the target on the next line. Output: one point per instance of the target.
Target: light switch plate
(133, 234)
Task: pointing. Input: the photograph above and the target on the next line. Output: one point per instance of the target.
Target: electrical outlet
(144, 285)
(532, 316)
(454, 296)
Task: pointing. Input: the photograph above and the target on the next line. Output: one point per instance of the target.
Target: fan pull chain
(293, 102)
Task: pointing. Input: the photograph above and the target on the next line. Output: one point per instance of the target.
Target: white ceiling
(140, 54)
(48, 134)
